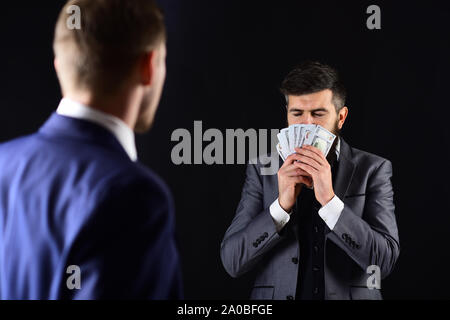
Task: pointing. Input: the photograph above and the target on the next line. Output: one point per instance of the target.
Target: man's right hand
(290, 181)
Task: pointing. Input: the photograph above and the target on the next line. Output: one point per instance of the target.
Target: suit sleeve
(127, 250)
(373, 238)
(252, 232)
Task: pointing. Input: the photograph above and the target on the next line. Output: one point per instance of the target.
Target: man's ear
(342, 115)
(147, 69)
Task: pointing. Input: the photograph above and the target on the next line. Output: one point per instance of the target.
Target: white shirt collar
(116, 126)
(338, 148)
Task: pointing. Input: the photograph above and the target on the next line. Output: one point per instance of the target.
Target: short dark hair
(311, 77)
(113, 35)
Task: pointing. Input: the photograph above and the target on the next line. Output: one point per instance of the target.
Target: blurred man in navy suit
(80, 217)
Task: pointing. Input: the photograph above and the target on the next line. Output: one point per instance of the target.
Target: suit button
(295, 260)
(316, 249)
(315, 269)
(316, 290)
(289, 298)
(316, 229)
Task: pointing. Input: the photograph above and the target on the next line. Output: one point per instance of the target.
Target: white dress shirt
(330, 212)
(116, 126)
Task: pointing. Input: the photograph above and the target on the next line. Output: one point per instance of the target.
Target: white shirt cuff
(279, 216)
(331, 212)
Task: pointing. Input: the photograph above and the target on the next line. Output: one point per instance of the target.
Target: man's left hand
(317, 166)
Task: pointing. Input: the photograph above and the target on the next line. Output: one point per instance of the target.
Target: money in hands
(297, 135)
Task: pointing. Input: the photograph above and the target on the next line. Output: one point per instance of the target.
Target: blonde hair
(113, 34)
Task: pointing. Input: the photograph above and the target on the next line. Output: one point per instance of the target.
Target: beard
(331, 157)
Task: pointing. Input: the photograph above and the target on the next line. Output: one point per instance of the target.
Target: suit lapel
(346, 169)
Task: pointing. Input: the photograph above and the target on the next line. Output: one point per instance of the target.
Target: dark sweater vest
(311, 235)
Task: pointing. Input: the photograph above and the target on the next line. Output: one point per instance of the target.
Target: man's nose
(308, 119)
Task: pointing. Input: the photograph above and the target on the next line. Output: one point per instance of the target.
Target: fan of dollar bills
(297, 135)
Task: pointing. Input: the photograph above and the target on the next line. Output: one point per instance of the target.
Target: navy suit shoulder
(71, 196)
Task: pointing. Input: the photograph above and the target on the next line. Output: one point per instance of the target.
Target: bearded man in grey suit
(321, 228)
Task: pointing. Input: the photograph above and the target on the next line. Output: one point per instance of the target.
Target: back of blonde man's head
(102, 55)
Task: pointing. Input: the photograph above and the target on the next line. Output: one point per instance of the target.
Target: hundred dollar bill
(322, 139)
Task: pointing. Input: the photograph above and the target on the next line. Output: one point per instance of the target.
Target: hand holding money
(304, 148)
(316, 165)
(290, 181)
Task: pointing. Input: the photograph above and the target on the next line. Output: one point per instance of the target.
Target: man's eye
(297, 114)
(318, 114)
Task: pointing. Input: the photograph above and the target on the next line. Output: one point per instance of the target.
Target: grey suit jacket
(365, 233)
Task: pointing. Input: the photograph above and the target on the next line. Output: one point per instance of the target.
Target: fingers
(308, 153)
(314, 150)
(293, 171)
(290, 159)
(308, 168)
(302, 179)
(306, 160)
(296, 175)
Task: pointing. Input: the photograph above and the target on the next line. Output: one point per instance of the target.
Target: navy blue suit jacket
(71, 196)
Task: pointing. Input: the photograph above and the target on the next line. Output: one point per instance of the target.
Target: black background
(226, 60)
